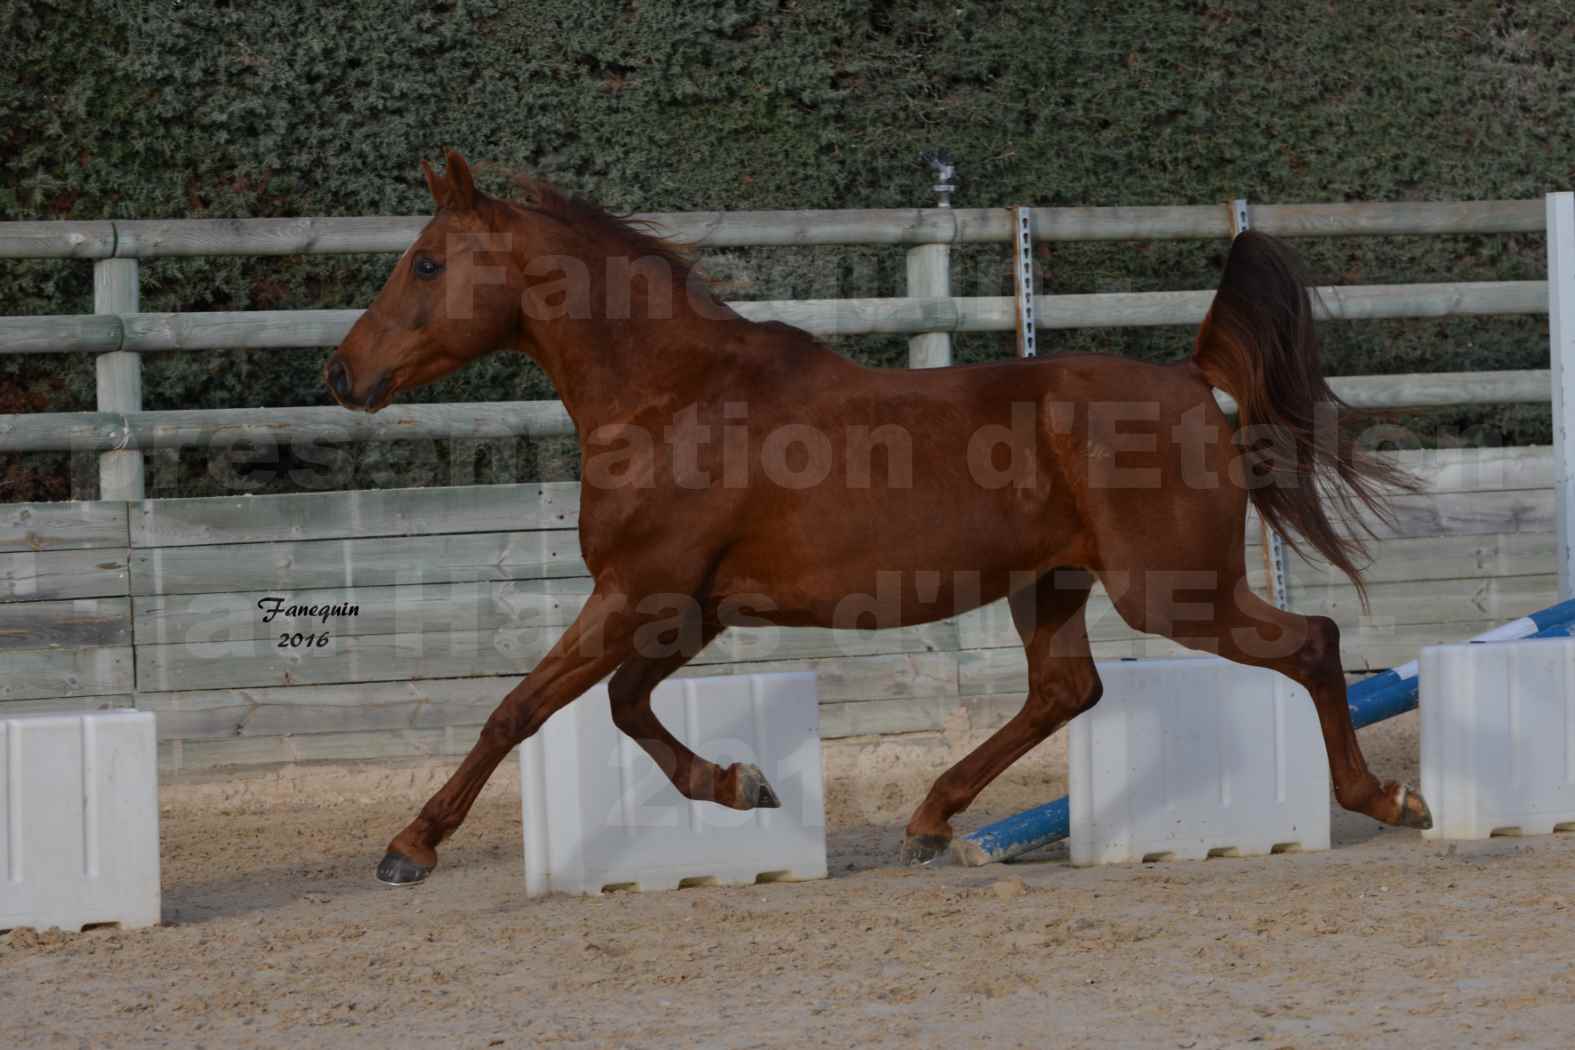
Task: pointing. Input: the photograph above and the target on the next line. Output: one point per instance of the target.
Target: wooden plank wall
(65, 606)
(460, 590)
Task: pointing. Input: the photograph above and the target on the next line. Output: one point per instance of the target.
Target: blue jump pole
(1371, 700)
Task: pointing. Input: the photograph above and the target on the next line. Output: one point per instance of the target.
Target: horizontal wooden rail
(1434, 389)
(280, 329)
(61, 431)
(153, 238)
(57, 240)
(100, 431)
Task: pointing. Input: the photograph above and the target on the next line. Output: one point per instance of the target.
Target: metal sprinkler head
(945, 168)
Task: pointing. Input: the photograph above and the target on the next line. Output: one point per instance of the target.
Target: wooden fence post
(120, 473)
(929, 269)
(929, 277)
(1561, 351)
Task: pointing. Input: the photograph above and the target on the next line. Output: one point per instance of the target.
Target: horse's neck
(628, 351)
(607, 370)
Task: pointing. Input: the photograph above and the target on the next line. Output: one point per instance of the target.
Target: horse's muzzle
(342, 387)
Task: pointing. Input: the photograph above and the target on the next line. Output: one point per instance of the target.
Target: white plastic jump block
(1498, 738)
(79, 820)
(1190, 758)
(600, 814)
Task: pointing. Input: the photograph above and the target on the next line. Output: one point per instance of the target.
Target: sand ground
(276, 935)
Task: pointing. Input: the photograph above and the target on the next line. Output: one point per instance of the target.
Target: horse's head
(452, 297)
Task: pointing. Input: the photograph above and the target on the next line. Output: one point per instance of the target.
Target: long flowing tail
(1301, 441)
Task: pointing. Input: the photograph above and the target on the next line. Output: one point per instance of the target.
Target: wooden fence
(459, 590)
(155, 603)
(929, 313)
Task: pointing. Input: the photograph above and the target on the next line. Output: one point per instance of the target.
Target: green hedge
(175, 108)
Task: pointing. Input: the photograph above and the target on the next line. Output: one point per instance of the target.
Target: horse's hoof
(1413, 810)
(398, 870)
(753, 791)
(922, 849)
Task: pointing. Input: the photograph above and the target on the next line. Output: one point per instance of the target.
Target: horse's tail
(1302, 456)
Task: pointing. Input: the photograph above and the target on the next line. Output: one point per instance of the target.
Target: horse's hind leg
(1248, 630)
(1062, 683)
(739, 786)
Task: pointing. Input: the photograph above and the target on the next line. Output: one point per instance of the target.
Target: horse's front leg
(601, 638)
(740, 786)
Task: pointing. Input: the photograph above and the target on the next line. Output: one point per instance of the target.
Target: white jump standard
(600, 815)
(1498, 738)
(79, 820)
(1191, 758)
(1375, 699)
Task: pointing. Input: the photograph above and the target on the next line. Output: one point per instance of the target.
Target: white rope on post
(1561, 352)
(1273, 546)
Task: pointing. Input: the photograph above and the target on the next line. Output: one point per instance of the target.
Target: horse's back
(942, 489)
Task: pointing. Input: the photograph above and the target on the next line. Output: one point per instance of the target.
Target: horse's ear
(436, 184)
(461, 187)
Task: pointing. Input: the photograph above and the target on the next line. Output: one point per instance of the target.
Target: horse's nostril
(379, 389)
(339, 379)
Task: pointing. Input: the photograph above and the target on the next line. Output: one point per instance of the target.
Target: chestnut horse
(912, 495)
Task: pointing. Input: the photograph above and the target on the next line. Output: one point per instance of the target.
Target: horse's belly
(907, 579)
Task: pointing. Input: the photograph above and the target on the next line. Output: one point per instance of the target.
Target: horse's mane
(541, 196)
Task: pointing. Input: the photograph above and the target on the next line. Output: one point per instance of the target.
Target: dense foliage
(150, 108)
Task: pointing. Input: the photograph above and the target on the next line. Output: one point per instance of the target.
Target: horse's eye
(426, 266)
